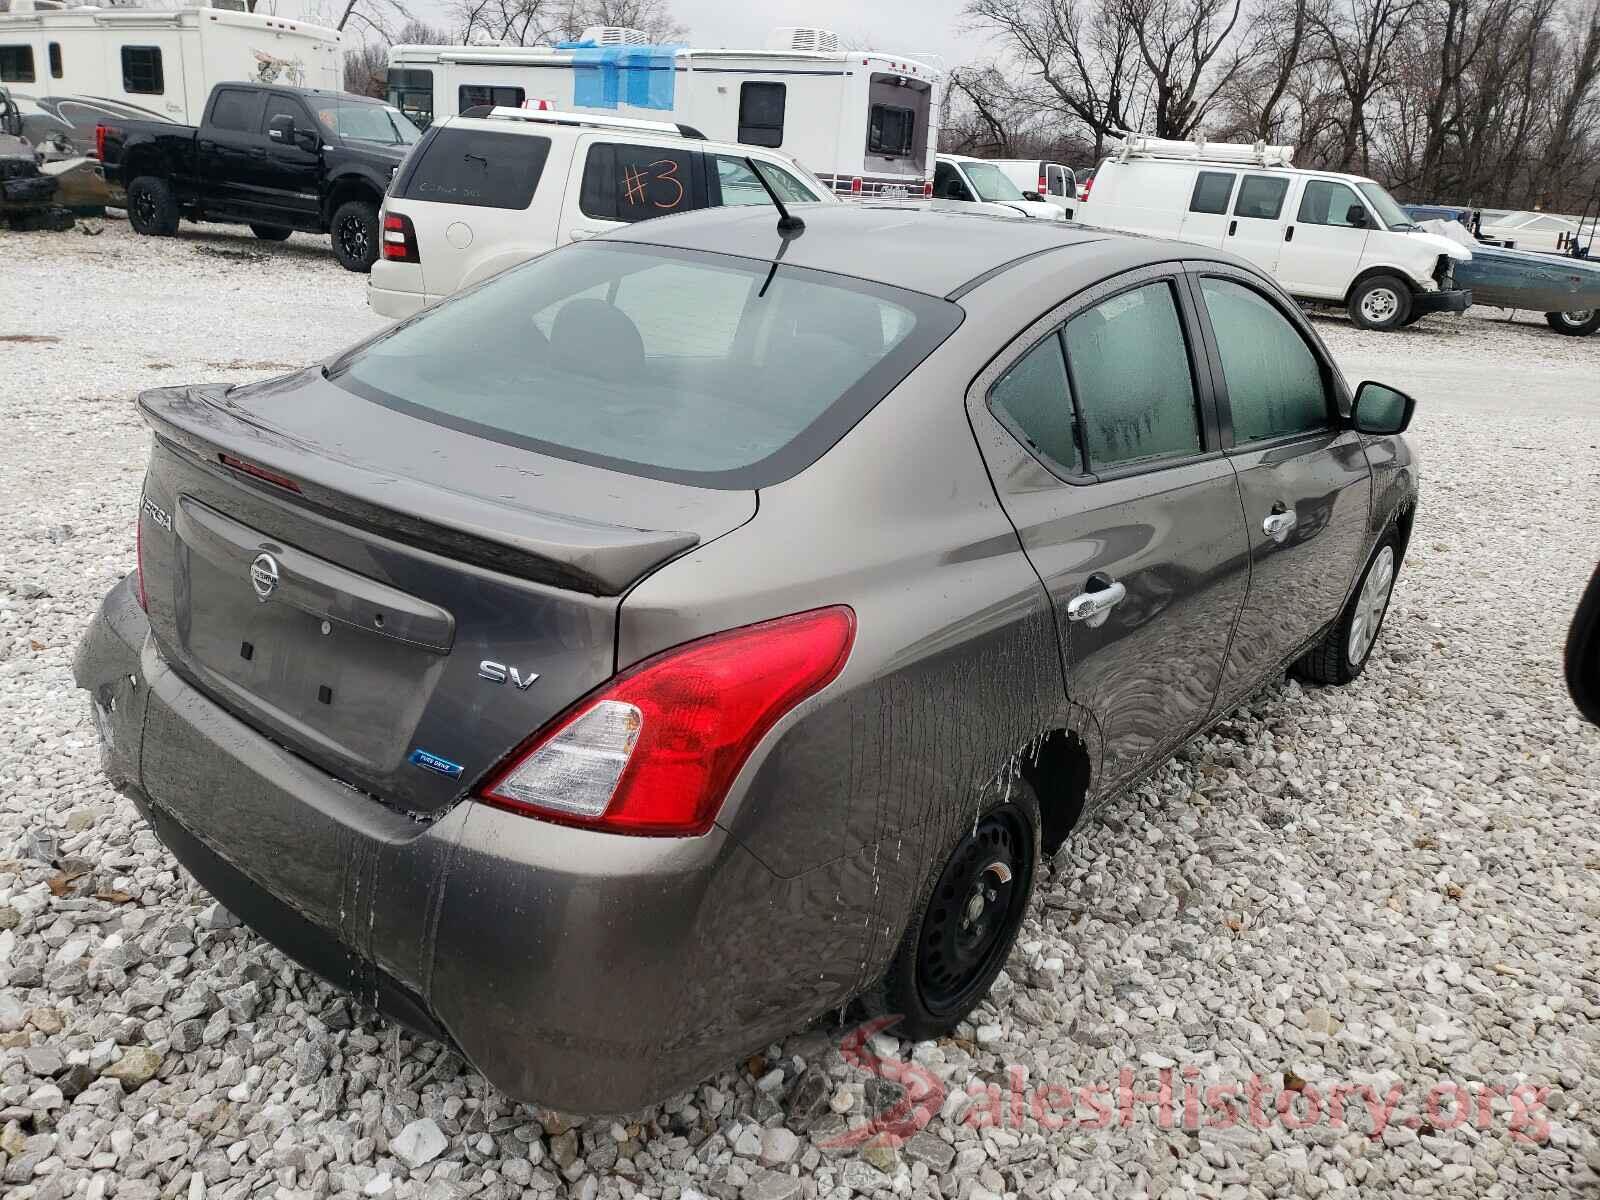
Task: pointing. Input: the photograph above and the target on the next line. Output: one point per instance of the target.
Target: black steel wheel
(964, 921)
(152, 210)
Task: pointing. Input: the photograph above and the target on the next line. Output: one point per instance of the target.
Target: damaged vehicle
(625, 661)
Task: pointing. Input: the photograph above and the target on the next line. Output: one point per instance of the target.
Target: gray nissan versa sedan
(622, 663)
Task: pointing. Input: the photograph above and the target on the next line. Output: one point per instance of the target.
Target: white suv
(1322, 235)
(485, 191)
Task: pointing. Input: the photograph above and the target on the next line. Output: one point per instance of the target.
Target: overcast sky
(904, 26)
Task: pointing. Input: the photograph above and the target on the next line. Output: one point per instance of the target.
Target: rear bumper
(591, 972)
(395, 305)
(1456, 300)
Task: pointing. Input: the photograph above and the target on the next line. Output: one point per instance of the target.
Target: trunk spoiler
(564, 551)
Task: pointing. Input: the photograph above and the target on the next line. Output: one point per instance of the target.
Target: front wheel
(1580, 322)
(152, 208)
(355, 235)
(1382, 302)
(271, 233)
(1342, 654)
(965, 920)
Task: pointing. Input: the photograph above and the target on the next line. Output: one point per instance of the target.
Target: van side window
(141, 71)
(890, 129)
(478, 167)
(761, 108)
(55, 60)
(1033, 398)
(1328, 203)
(470, 95)
(16, 64)
(1261, 196)
(634, 183)
(1056, 178)
(1211, 192)
(1275, 385)
(1130, 375)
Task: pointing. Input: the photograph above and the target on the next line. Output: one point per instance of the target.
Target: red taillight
(655, 750)
(1044, 186)
(855, 186)
(1083, 192)
(927, 189)
(261, 473)
(138, 555)
(399, 238)
(100, 142)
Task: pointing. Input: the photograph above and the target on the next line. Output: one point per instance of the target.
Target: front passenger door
(1114, 480)
(1303, 478)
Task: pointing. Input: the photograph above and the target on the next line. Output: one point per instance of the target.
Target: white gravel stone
(1390, 885)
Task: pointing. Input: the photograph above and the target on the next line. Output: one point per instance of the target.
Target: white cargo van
(1322, 235)
(1053, 182)
(982, 184)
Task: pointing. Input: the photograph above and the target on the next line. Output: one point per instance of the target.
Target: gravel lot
(1393, 886)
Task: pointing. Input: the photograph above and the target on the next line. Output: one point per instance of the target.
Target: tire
(1580, 322)
(943, 966)
(354, 230)
(152, 208)
(271, 233)
(1342, 654)
(1382, 302)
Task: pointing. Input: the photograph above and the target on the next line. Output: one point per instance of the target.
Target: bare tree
(1359, 37)
(1182, 45)
(544, 22)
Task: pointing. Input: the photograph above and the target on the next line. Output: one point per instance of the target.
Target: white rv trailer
(864, 122)
(85, 65)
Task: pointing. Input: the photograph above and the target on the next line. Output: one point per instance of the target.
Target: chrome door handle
(1277, 525)
(1094, 607)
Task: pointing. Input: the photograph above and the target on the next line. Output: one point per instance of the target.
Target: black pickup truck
(278, 159)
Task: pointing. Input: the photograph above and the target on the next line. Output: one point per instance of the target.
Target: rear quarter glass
(477, 167)
(694, 367)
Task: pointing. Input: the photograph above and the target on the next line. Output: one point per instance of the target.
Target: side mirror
(1583, 652)
(1356, 215)
(281, 128)
(307, 139)
(1381, 409)
(1034, 196)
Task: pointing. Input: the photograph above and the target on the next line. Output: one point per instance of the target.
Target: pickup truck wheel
(1342, 653)
(965, 919)
(152, 209)
(355, 235)
(1580, 322)
(271, 233)
(1382, 302)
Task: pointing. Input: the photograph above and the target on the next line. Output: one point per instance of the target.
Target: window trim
(1173, 272)
(783, 113)
(161, 71)
(1335, 390)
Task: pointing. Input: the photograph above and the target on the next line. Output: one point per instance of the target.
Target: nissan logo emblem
(264, 576)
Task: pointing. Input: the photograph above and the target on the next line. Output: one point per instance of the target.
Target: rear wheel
(271, 233)
(1343, 652)
(965, 921)
(355, 235)
(152, 208)
(1382, 302)
(1580, 322)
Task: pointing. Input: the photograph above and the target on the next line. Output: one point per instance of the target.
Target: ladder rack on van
(1137, 145)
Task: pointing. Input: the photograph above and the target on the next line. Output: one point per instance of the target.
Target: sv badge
(498, 673)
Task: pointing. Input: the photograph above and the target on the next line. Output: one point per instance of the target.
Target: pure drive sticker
(432, 762)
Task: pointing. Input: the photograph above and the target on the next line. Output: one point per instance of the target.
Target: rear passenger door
(618, 181)
(226, 149)
(1109, 464)
(1206, 222)
(1255, 231)
(1304, 482)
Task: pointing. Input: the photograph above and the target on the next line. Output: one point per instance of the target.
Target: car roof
(580, 123)
(906, 246)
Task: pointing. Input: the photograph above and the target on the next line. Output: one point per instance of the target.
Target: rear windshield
(477, 167)
(700, 368)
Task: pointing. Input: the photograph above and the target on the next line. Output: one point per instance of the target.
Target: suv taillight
(399, 238)
(655, 750)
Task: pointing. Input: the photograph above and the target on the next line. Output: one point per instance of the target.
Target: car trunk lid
(398, 602)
